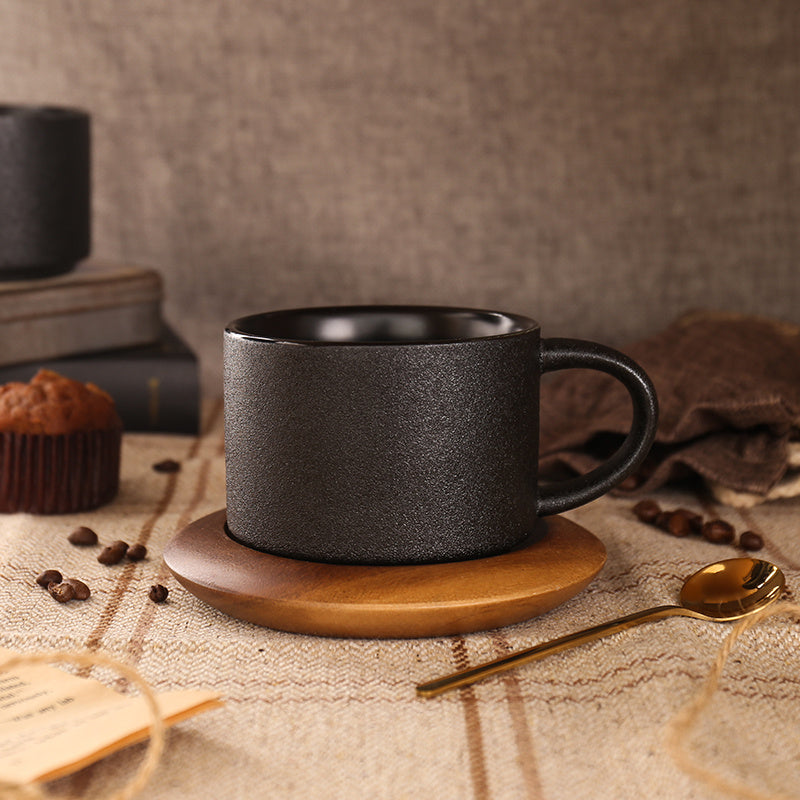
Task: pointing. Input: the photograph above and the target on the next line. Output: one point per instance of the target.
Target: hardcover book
(155, 387)
(98, 306)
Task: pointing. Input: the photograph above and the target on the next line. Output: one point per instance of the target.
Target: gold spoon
(720, 592)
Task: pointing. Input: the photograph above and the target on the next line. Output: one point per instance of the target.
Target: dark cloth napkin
(729, 394)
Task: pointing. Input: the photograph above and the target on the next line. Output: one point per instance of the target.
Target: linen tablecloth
(312, 717)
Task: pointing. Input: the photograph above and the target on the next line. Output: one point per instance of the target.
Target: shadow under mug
(401, 434)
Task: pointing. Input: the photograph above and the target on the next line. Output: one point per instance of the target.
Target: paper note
(53, 723)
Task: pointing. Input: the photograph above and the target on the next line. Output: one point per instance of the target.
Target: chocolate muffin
(59, 445)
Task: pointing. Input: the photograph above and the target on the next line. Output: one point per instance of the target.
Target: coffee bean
(108, 556)
(136, 552)
(718, 531)
(695, 520)
(113, 553)
(167, 465)
(750, 540)
(158, 593)
(662, 520)
(630, 483)
(82, 537)
(47, 577)
(63, 592)
(678, 524)
(82, 591)
(647, 510)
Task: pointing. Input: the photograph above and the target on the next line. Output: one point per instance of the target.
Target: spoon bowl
(722, 592)
(732, 589)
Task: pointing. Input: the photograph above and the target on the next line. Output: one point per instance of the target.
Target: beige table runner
(307, 717)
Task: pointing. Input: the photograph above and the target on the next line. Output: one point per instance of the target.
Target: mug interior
(379, 324)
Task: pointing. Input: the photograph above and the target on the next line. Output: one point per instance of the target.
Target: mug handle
(558, 354)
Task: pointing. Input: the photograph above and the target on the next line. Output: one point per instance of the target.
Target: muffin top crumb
(52, 404)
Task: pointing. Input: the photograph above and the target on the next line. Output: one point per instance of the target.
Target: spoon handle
(473, 674)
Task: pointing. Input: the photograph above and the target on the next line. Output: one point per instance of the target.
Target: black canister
(45, 190)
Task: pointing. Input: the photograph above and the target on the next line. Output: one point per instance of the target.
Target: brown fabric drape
(729, 397)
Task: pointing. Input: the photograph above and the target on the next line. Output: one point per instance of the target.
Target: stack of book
(102, 323)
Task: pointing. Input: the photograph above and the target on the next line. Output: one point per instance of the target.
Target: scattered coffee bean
(158, 593)
(113, 553)
(647, 510)
(695, 520)
(136, 552)
(167, 465)
(82, 537)
(683, 522)
(47, 577)
(678, 524)
(718, 531)
(63, 592)
(750, 540)
(82, 591)
(108, 556)
(661, 520)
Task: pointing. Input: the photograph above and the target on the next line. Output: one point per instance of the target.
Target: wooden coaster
(384, 601)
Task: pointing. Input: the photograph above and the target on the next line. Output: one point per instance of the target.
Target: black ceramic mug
(401, 434)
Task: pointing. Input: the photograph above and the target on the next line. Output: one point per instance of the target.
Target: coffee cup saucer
(405, 601)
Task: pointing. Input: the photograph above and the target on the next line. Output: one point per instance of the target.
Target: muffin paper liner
(58, 474)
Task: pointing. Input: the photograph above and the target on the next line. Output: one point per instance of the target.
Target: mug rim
(239, 326)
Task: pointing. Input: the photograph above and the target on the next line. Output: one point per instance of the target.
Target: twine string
(678, 731)
(680, 727)
(155, 747)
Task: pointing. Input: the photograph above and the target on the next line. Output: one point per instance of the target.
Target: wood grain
(384, 601)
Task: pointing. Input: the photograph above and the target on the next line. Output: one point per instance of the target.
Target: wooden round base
(381, 601)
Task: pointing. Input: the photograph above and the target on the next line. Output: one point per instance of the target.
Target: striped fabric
(309, 717)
